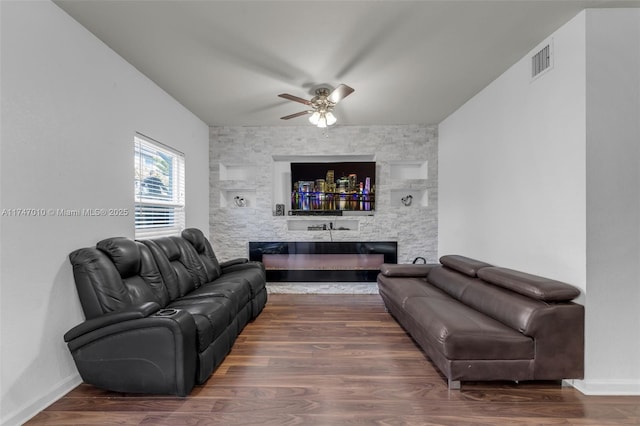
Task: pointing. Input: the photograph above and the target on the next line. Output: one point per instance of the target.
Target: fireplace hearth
(303, 261)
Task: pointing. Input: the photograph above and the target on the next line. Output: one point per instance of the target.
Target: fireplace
(303, 261)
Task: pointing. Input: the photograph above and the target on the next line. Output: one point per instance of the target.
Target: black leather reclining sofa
(161, 314)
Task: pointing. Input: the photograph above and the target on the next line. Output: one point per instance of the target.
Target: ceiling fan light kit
(322, 119)
(322, 105)
(315, 118)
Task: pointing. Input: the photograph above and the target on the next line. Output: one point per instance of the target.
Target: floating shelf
(227, 198)
(318, 224)
(420, 198)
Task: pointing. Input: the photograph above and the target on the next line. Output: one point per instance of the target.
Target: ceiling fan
(321, 104)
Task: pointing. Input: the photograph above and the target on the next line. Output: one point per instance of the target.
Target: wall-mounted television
(333, 187)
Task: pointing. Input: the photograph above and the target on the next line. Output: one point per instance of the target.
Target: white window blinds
(159, 189)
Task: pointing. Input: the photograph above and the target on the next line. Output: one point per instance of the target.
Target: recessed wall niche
(237, 185)
(410, 180)
(238, 172)
(256, 160)
(409, 170)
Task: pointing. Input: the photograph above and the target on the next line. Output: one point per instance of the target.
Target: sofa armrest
(135, 312)
(406, 270)
(156, 353)
(240, 264)
(559, 349)
(232, 262)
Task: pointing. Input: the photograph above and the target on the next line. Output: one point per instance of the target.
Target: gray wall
(406, 159)
(70, 109)
(613, 200)
(543, 176)
(512, 167)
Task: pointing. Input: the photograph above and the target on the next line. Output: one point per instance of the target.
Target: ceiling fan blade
(294, 98)
(297, 114)
(340, 92)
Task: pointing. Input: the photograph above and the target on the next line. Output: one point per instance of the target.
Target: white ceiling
(410, 62)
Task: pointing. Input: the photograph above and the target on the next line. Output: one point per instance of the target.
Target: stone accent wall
(244, 161)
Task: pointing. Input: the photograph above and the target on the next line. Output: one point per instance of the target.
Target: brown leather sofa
(478, 322)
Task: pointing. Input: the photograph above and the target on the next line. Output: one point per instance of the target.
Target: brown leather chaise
(479, 322)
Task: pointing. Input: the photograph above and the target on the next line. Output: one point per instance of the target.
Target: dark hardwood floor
(337, 360)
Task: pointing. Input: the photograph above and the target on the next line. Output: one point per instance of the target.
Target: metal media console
(302, 261)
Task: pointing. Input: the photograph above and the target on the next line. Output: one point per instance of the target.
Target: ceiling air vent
(541, 61)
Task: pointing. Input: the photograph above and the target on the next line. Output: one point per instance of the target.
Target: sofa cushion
(212, 316)
(252, 273)
(512, 309)
(168, 246)
(137, 268)
(99, 285)
(462, 333)
(533, 286)
(450, 281)
(124, 253)
(178, 264)
(406, 270)
(398, 290)
(205, 252)
(151, 275)
(463, 264)
(237, 291)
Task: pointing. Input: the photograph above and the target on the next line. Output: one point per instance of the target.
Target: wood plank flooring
(337, 360)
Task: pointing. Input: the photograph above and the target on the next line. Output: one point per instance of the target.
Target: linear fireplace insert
(322, 261)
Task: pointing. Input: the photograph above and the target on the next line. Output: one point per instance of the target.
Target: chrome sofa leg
(454, 384)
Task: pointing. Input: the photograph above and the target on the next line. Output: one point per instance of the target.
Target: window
(159, 189)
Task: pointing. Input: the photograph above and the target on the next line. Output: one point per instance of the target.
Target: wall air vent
(542, 61)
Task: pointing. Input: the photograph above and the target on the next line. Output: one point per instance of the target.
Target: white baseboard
(32, 408)
(606, 387)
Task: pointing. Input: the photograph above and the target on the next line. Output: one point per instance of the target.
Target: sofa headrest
(169, 247)
(533, 286)
(100, 286)
(463, 264)
(195, 237)
(124, 253)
